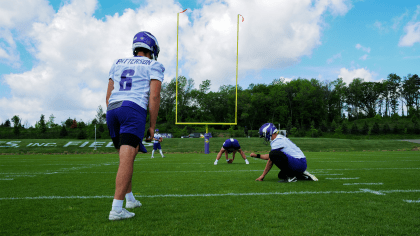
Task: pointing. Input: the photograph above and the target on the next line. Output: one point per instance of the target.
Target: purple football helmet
(267, 130)
(146, 40)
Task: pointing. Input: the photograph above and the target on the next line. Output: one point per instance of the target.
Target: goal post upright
(236, 87)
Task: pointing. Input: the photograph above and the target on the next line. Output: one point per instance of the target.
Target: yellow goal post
(236, 92)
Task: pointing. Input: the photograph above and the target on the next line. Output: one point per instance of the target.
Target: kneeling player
(285, 155)
(156, 144)
(230, 146)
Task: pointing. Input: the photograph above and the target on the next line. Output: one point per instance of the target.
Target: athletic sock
(160, 150)
(153, 152)
(117, 205)
(130, 197)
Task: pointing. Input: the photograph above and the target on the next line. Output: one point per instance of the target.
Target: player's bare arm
(266, 170)
(108, 92)
(262, 156)
(154, 103)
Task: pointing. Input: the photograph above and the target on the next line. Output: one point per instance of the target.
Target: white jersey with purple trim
(288, 147)
(157, 136)
(132, 77)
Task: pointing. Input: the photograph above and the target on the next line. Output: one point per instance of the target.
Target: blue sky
(324, 39)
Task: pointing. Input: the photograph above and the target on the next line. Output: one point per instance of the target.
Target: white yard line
(363, 184)
(377, 192)
(344, 178)
(412, 201)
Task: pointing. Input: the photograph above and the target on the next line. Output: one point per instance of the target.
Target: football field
(358, 193)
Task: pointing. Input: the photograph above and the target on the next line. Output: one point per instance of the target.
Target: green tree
(386, 129)
(50, 123)
(63, 131)
(365, 129)
(16, 124)
(354, 129)
(375, 129)
(100, 115)
(42, 125)
(394, 91)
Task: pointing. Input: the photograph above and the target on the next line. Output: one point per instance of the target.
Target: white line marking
(7, 179)
(372, 191)
(363, 184)
(219, 195)
(343, 178)
(412, 201)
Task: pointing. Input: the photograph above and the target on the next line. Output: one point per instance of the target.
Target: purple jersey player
(230, 146)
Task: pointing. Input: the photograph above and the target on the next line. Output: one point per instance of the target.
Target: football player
(230, 146)
(285, 155)
(156, 144)
(134, 85)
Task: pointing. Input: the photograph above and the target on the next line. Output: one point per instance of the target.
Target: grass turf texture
(196, 145)
(185, 194)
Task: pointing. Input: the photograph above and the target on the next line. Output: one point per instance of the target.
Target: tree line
(302, 106)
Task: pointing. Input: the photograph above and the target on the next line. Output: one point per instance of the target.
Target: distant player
(134, 85)
(285, 155)
(156, 144)
(230, 146)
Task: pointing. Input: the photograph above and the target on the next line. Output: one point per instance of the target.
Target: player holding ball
(230, 146)
(285, 155)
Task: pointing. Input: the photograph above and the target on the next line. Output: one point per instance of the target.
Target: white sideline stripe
(7, 179)
(363, 184)
(378, 192)
(412, 201)
(344, 178)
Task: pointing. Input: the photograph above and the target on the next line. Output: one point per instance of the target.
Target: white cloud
(349, 75)
(333, 58)
(364, 57)
(18, 16)
(365, 49)
(412, 31)
(75, 50)
(412, 36)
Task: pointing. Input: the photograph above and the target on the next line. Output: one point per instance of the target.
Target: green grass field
(358, 193)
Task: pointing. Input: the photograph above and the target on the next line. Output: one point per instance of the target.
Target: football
(230, 161)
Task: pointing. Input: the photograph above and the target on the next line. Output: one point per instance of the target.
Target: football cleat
(308, 176)
(215, 162)
(246, 161)
(131, 205)
(288, 180)
(124, 214)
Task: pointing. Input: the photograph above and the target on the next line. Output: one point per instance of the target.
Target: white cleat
(124, 214)
(152, 157)
(246, 161)
(163, 156)
(309, 176)
(215, 163)
(131, 205)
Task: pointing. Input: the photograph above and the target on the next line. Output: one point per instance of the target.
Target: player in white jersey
(156, 144)
(133, 87)
(285, 155)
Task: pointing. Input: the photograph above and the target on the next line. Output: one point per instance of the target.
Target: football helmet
(146, 40)
(157, 131)
(267, 130)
